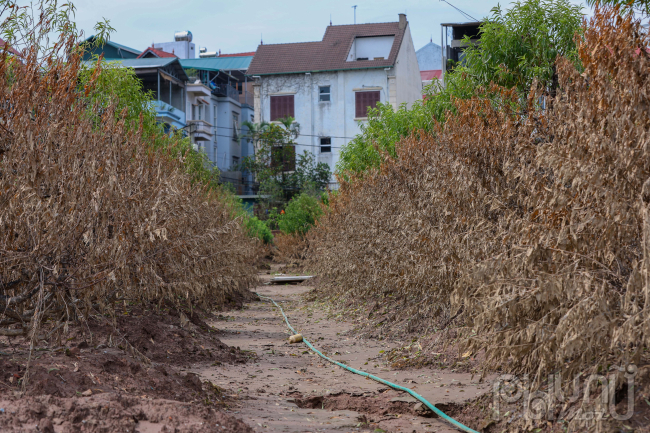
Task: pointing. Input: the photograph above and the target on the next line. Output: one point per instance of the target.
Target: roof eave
(321, 70)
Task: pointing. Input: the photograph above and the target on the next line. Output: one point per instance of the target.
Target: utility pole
(355, 13)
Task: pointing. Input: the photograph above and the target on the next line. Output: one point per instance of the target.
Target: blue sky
(236, 26)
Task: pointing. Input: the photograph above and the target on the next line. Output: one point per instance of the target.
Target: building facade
(217, 106)
(208, 98)
(329, 86)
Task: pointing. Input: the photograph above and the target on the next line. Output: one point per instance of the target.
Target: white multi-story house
(328, 86)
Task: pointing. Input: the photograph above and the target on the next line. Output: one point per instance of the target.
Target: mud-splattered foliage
(530, 223)
(90, 212)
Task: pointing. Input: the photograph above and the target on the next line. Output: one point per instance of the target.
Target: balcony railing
(200, 130)
(169, 114)
(246, 98)
(225, 90)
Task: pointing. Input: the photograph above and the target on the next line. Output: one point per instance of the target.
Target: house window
(325, 145)
(284, 156)
(235, 126)
(235, 161)
(281, 107)
(363, 101)
(324, 93)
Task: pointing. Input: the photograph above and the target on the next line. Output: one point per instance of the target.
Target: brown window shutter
(290, 111)
(281, 106)
(364, 100)
(358, 104)
(274, 107)
(374, 98)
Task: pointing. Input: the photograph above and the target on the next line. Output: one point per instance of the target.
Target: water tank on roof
(204, 54)
(183, 36)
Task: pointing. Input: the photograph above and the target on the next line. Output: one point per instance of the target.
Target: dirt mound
(112, 412)
(98, 383)
(169, 336)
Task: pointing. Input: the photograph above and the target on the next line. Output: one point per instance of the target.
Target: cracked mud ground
(290, 389)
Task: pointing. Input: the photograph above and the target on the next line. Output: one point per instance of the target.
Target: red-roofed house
(328, 86)
(155, 52)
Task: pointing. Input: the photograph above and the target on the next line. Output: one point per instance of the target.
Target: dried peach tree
(90, 210)
(531, 223)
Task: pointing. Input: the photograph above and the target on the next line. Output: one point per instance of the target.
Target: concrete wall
(407, 72)
(182, 49)
(317, 119)
(221, 148)
(227, 147)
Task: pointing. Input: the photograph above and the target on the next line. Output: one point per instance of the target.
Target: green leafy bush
(258, 229)
(300, 215)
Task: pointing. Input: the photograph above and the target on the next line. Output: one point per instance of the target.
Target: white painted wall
(182, 49)
(226, 145)
(370, 47)
(407, 72)
(336, 118)
(222, 147)
(317, 119)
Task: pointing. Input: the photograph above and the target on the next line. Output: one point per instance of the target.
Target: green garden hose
(437, 411)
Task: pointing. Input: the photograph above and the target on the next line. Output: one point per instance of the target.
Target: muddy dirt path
(290, 389)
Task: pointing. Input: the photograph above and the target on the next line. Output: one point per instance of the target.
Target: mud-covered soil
(124, 377)
(287, 388)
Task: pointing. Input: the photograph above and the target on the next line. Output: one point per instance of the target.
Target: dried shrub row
(533, 225)
(91, 213)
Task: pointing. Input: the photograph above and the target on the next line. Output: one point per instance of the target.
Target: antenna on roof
(330, 19)
(355, 13)
(261, 39)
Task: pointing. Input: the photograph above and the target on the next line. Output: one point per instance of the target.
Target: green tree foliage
(119, 86)
(385, 126)
(301, 213)
(258, 229)
(521, 45)
(274, 155)
(517, 47)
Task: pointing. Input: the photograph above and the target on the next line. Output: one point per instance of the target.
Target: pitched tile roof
(156, 53)
(330, 54)
(11, 50)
